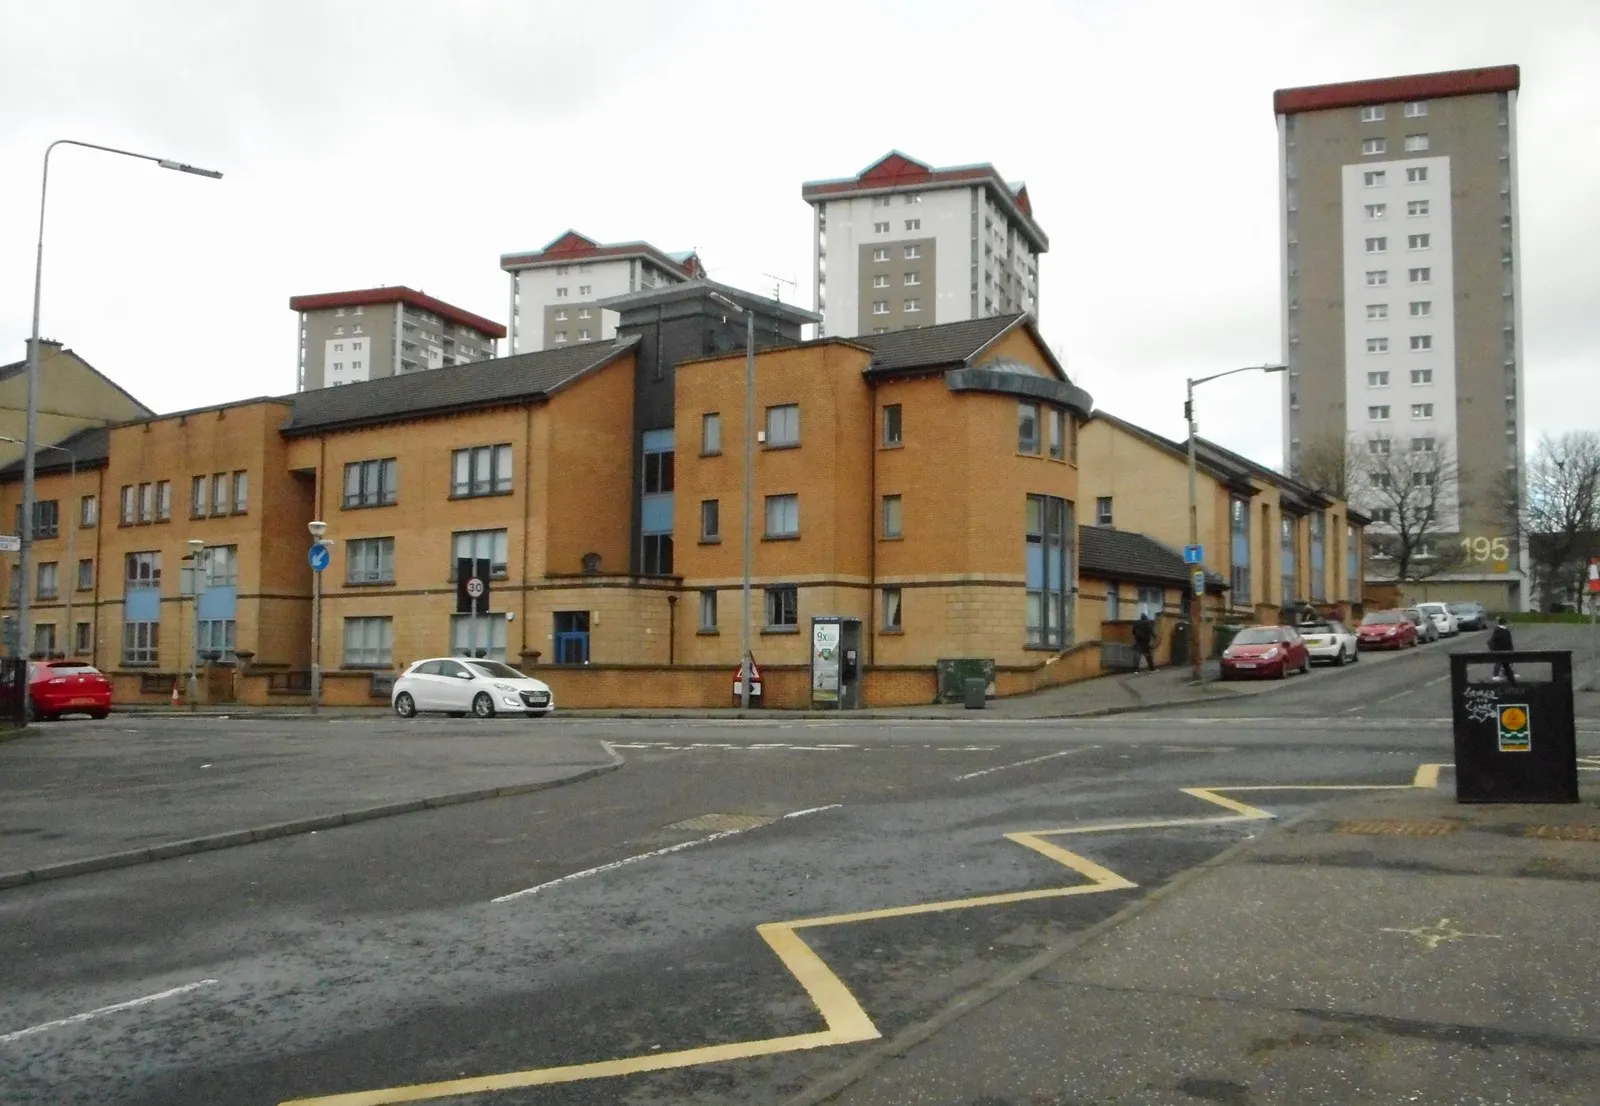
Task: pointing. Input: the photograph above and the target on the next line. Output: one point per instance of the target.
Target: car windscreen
(1315, 628)
(71, 668)
(1382, 618)
(1258, 635)
(1463, 608)
(494, 670)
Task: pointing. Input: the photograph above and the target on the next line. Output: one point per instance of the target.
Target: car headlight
(504, 687)
(1270, 654)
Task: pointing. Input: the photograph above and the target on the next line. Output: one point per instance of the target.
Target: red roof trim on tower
(366, 297)
(572, 246)
(1389, 90)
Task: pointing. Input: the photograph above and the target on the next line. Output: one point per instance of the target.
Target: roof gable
(895, 168)
(570, 242)
(933, 347)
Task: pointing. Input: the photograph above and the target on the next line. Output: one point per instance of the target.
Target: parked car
(1470, 616)
(1427, 629)
(1442, 618)
(1330, 641)
(63, 687)
(1265, 651)
(457, 685)
(1386, 630)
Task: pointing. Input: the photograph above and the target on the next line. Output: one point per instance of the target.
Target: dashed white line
(114, 1008)
(1020, 763)
(652, 854)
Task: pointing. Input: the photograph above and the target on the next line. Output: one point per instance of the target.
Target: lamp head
(195, 545)
(317, 529)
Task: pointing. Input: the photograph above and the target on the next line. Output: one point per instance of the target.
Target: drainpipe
(872, 524)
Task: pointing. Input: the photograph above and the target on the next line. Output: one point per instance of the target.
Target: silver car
(1427, 629)
(458, 685)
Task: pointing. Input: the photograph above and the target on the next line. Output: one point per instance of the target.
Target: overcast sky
(400, 142)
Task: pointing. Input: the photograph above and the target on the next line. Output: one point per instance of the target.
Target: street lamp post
(72, 534)
(319, 539)
(196, 547)
(32, 431)
(749, 469)
(1196, 663)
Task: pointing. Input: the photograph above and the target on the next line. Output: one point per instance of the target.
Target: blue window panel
(142, 605)
(1241, 549)
(656, 514)
(1035, 567)
(219, 602)
(1053, 566)
(658, 441)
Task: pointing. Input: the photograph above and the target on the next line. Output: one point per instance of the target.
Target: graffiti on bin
(1481, 703)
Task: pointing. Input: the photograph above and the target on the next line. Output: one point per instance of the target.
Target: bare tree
(1561, 513)
(1411, 494)
(1330, 464)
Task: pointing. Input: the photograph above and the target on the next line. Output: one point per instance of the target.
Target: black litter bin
(976, 693)
(1515, 739)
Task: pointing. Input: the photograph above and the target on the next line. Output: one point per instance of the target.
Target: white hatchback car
(1442, 617)
(458, 685)
(1330, 641)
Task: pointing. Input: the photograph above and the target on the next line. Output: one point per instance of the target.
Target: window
(710, 522)
(241, 492)
(1421, 445)
(1378, 446)
(481, 470)
(1420, 276)
(372, 483)
(1416, 143)
(881, 280)
(147, 502)
(1373, 178)
(1382, 514)
(355, 366)
(49, 585)
(1028, 428)
(1058, 433)
(1417, 208)
(1416, 109)
(891, 516)
(1373, 113)
(219, 494)
(913, 224)
(583, 335)
(1377, 245)
(199, 497)
(1377, 278)
(880, 307)
(1426, 480)
(913, 197)
(1381, 479)
(708, 612)
(86, 575)
(1370, 146)
(46, 518)
(1377, 345)
(880, 255)
(882, 201)
(783, 607)
(480, 545)
(89, 511)
(561, 315)
(219, 566)
(1048, 561)
(1378, 414)
(1422, 410)
(369, 642)
(913, 252)
(44, 639)
(1422, 376)
(1421, 308)
(83, 638)
(369, 561)
(583, 313)
(143, 570)
(1422, 341)
(1419, 241)
(1377, 211)
(913, 305)
(1378, 380)
(1102, 511)
(215, 639)
(783, 425)
(891, 424)
(891, 609)
(710, 434)
(141, 642)
(1417, 174)
(476, 636)
(561, 336)
(1377, 311)
(913, 279)
(783, 516)
(880, 228)
(561, 293)
(584, 289)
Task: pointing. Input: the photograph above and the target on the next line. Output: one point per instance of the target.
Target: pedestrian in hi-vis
(1500, 642)
(1144, 640)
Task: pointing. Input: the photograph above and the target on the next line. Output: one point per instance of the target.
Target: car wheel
(1283, 670)
(483, 705)
(1339, 658)
(98, 714)
(404, 705)
(1305, 666)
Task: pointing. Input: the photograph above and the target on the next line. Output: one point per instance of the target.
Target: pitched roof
(762, 306)
(496, 383)
(89, 448)
(397, 293)
(1232, 476)
(1390, 90)
(570, 246)
(934, 346)
(1299, 494)
(18, 367)
(1109, 554)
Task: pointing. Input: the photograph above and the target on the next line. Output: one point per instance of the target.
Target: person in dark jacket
(1144, 640)
(1500, 642)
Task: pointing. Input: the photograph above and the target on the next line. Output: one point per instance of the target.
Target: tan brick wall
(582, 443)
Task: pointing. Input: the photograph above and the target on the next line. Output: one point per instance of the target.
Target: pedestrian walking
(1500, 642)
(1144, 640)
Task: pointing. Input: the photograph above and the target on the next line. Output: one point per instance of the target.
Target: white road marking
(1020, 763)
(114, 1008)
(1399, 694)
(667, 851)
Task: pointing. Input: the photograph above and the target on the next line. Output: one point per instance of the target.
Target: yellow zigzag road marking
(847, 1023)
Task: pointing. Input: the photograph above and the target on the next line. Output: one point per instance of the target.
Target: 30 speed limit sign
(475, 588)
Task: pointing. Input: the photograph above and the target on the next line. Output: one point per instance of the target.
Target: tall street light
(1196, 663)
(71, 565)
(32, 432)
(321, 552)
(749, 454)
(196, 548)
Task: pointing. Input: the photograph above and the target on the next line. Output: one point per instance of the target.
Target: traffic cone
(175, 701)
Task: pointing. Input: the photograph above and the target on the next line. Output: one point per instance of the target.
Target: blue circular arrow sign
(318, 557)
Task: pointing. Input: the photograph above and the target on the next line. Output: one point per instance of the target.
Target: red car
(1386, 630)
(67, 687)
(1272, 651)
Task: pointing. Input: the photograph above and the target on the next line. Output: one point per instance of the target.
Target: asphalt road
(625, 937)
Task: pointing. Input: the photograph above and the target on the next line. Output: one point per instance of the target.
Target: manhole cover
(1399, 829)
(721, 823)
(1563, 833)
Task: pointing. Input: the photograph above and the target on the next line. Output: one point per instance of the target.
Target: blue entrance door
(572, 637)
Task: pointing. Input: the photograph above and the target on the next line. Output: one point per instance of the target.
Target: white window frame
(1372, 113)
(1374, 178)
(881, 280)
(1377, 345)
(880, 307)
(1378, 245)
(1416, 109)
(913, 280)
(1421, 309)
(783, 425)
(1422, 343)
(1425, 278)
(880, 228)
(1382, 278)
(1419, 241)
(1378, 379)
(1421, 376)
(881, 253)
(1417, 174)
(912, 306)
(368, 642)
(1416, 143)
(1370, 147)
(1418, 209)
(913, 224)
(913, 252)
(1378, 414)
(1421, 411)
(1377, 211)
(784, 510)
(1377, 311)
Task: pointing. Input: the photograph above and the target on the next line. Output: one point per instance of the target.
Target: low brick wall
(1081, 662)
